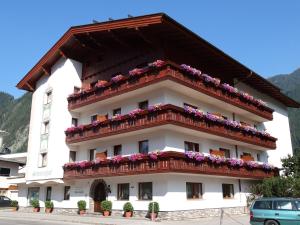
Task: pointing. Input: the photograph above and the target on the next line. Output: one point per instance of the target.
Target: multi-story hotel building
(142, 109)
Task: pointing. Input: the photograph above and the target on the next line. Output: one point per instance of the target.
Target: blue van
(275, 211)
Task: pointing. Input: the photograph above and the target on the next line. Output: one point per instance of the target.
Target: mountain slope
(14, 119)
(290, 83)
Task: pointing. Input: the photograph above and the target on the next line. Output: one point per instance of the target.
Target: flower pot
(128, 214)
(14, 209)
(48, 210)
(36, 209)
(106, 213)
(153, 216)
(81, 212)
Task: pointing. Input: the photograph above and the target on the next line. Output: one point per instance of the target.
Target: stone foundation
(163, 215)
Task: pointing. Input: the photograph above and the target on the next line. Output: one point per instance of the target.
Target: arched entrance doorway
(98, 193)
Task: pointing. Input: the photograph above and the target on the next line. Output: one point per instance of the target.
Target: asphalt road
(31, 222)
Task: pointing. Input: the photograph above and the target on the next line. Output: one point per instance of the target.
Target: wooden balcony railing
(168, 72)
(168, 114)
(170, 162)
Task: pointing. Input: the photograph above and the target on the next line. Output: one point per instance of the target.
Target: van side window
(262, 205)
(284, 205)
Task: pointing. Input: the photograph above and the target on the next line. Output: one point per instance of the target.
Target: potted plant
(106, 207)
(15, 205)
(153, 210)
(49, 206)
(35, 204)
(81, 207)
(128, 209)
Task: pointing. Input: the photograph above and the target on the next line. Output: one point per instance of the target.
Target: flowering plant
(193, 111)
(95, 123)
(116, 159)
(216, 159)
(154, 155)
(75, 129)
(190, 154)
(135, 112)
(117, 78)
(135, 157)
(101, 84)
(199, 157)
(251, 164)
(235, 162)
(212, 80)
(137, 71)
(157, 64)
(229, 88)
(156, 107)
(117, 117)
(190, 70)
(267, 167)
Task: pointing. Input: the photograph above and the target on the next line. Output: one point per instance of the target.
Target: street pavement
(21, 218)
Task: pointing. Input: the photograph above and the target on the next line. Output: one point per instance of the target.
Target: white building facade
(88, 141)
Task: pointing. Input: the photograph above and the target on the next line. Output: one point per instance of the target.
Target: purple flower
(190, 154)
(251, 164)
(190, 70)
(95, 123)
(154, 155)
(137, 71)
(267, 167)
(229, 88)
(235, 162)
(199, 157)
(135, 157)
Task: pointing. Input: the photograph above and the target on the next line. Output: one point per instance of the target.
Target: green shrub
(106, 205)
(128, 207)
(14, 203)
(153, 207)
(81, 205)
(49, 205)
(35, 203)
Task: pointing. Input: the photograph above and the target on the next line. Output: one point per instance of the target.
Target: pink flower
(137, 71)
(116, 159)
(101, 83)
(135, 157)
(155, 107)
(157, 64)
(117, 78)
(135, 112)
(117, 117)
(154, 155)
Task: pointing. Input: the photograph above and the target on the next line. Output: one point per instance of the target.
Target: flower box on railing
(168, 162)
(170, 114)
(185, 75)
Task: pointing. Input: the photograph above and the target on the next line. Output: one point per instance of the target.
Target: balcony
(157, 116)
(166, 162)
(213, 93)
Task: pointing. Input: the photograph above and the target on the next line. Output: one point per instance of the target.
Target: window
(143, 105)
(43, 160)
(226, 152)
(123, 191)
(74, 122)
(67, 193)
(145, 191)
(117, 150)
(228, 191)
(117, 111)
(144, 147)
(72, 156)
(93, 118)
(92, 154)
(190, 146)
(284, 205)
(193, 190)
(5, 172)
(189, 105)
(262, 205)
(258, 157)
(45, 127)
(48, 193)
(48, 97)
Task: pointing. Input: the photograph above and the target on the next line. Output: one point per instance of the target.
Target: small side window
(262, 205)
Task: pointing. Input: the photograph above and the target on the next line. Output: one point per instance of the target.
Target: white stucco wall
(65, 74)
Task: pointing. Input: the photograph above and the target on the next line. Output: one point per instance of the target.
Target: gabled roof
(168, 27)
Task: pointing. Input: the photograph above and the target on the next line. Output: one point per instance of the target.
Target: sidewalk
(99, 220)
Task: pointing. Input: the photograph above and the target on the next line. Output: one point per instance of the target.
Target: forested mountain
(290, 85)
(14, 119)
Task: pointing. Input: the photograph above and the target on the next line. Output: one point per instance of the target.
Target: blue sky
(263, 35)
